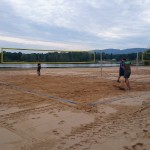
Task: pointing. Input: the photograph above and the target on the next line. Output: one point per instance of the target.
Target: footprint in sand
(126, 148)
(63, 143)
(14, 122)
(61, 122)
(127, 135)
(2, 110)
(147, 125)
(56, 115)
(55, 132)
(138, 146)
(146, 133)
(35, 118)
(51, 112)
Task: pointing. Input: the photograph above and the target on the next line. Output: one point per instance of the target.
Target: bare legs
(38, 72)
(118, 79)
(127, 84)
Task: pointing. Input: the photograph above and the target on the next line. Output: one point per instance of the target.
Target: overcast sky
(75, 24)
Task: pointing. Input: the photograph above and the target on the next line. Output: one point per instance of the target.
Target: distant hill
(123, 51)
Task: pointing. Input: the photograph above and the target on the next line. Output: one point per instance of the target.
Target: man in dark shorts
(121, 70)
(127, 72)
(39, 69)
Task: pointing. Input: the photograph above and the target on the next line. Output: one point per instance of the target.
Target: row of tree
(118, 57)
(69, 57)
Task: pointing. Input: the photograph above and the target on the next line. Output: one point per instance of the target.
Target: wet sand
(74, 109)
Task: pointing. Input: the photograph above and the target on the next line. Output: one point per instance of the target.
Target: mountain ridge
(119, 51)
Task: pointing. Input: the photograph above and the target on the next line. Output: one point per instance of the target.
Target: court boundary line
(59, 99)
(71, 102)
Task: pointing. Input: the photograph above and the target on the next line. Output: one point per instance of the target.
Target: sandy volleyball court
(74, 109)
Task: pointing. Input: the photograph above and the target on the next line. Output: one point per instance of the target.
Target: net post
(137, 61)
(101, 60)
(142, 56)
(2, 55)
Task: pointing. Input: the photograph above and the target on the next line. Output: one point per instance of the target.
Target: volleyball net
(32, 56)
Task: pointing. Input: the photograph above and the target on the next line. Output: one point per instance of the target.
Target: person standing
(121, 70)
(127, 72)
(39, 69)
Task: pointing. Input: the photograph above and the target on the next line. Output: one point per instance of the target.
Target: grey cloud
(115, 22)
